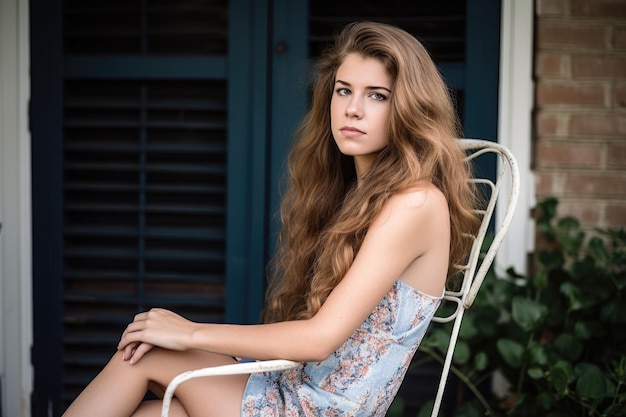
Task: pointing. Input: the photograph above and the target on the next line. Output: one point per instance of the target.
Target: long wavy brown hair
(324, 215)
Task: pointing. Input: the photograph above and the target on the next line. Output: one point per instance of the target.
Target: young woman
(372, 224)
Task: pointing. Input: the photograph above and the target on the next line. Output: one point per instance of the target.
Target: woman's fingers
(157, 327)
(129, 349)
(139, 352)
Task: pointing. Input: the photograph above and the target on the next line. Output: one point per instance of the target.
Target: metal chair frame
(474, 271)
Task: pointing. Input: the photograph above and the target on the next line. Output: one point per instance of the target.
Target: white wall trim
(16, 373)
(516, 100)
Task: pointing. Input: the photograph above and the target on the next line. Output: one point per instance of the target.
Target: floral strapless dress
(362, 377)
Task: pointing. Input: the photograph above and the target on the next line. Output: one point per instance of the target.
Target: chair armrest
(234, 369)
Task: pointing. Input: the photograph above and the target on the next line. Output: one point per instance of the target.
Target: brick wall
(580, 108)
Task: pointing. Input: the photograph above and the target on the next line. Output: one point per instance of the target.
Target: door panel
(139, 182)
(144, 209)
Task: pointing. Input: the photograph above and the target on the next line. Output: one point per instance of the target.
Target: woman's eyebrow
(371, 87)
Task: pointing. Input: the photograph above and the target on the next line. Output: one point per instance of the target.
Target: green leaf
(582, 330)
(568, 223)
(481, 361)
(468, 328)
(570, 235)
(620, 368)
(540, 280)
(537, 353)
(591, 381)
(437, 338)
(582, 268)
(569, 346)
(558, 380)
(577, 300)
(488, 327)
(527, 313)
(461, 352)
(544, 400)
(596, 248)
(535, 373)
(547, 212)
(614, 312)
(560, 376)
(550, 260)
(511, 351)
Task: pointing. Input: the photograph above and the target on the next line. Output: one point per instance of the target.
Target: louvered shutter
(144, 170)
(439, 25)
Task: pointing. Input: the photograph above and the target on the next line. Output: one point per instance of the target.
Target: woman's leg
(120, 387)
(153, 408)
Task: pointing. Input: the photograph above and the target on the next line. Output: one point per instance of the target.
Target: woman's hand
(157, 327)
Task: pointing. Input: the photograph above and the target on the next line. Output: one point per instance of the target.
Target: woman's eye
(378, 96)
(343, 91)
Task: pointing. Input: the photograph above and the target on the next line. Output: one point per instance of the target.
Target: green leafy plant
(557, 337)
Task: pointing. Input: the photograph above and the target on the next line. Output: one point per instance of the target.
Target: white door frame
(516, 101)
(16, 374)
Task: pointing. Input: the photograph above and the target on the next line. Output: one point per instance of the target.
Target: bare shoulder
(422, 209)
(423, 200)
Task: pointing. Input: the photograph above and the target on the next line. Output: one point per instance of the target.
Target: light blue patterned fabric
(362, 377)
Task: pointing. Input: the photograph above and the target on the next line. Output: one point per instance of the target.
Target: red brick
(547, 64)
(619, 38)
(616, 156)
(588, 212)
(550, 7)
(611, 9)
(596, 184)
(570, 94)
(621, 125)
(571, 35)
(547, 124)
(596, 125)
(586, 66)
(567, 154)
(543, 183)
(619, 95)
(616, 214)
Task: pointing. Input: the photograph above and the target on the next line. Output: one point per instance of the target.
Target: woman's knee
(160, 366)
(205, 396)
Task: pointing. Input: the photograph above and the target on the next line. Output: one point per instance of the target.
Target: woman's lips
(351, 132)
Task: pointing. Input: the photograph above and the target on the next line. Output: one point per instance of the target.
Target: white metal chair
(474, 271)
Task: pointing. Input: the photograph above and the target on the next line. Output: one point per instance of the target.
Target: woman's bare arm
(409, 228)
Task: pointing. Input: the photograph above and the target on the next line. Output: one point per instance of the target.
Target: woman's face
(359, 109)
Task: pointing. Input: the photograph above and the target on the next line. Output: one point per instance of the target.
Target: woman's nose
(354, 108)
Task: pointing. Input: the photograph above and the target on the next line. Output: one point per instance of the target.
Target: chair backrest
(503, 189)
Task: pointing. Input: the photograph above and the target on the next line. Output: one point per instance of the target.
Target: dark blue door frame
(482, 69)
(290, 66)
(47, 182)
(248, 153)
